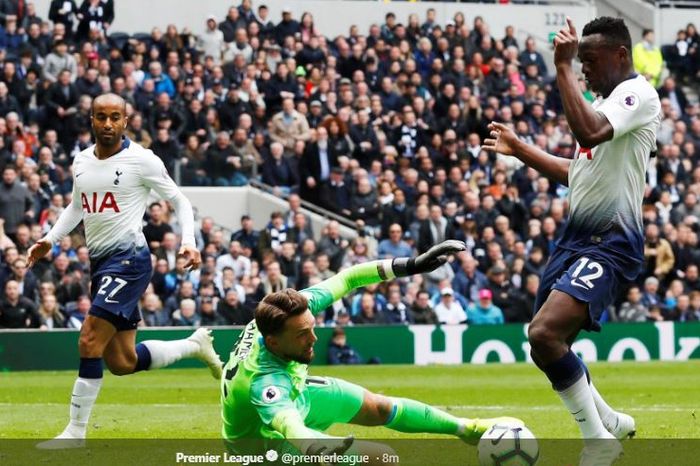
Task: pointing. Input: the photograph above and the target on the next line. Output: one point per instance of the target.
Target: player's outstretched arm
(589, 126)
(504, 141)
(328, 291)
(156, 177)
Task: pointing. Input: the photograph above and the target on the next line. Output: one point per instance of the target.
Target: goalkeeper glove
(429, 260)
(330, 446)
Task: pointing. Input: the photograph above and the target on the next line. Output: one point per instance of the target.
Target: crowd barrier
(414, 344)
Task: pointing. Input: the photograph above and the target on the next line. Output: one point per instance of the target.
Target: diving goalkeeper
(266, 392)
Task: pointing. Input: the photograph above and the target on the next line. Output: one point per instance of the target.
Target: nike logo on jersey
(580, 285)
(111, 301)
(78, 174)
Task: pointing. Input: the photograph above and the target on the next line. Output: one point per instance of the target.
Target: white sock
(164, 353)
(607, 414)
(81, 401)
(578, 399)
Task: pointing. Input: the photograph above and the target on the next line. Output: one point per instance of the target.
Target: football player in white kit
(111, 184)
(602, 245)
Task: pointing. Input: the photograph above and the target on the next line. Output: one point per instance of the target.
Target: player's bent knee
(89, 345)
(541, 338)
(383, 408)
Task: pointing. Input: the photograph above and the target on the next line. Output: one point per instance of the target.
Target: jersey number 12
(586, 280)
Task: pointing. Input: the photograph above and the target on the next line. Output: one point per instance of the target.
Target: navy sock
(143, 358)
(564, 372)
(585, 369)
(90, 368)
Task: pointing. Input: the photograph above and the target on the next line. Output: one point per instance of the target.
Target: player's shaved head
(108, 99)
(108, 123)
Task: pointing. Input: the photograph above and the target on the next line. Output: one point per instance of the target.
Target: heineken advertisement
(416, 344)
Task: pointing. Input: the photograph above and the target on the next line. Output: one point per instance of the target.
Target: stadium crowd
(381, 124)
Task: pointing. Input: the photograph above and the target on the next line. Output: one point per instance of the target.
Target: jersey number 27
(106, 282)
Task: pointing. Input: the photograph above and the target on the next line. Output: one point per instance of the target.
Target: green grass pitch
(183, 403)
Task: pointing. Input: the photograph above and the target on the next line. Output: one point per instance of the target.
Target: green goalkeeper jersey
(260, 392)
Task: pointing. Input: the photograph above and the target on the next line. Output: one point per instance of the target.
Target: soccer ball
(508, 445)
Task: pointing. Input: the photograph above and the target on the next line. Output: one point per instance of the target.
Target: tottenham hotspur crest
(118, 173)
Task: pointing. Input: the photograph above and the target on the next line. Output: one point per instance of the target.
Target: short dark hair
(646, 31)
(276, 308)
(614, 30)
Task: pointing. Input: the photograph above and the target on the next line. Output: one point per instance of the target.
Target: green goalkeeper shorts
(332, 401)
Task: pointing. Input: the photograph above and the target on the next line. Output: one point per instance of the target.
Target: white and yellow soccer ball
(508, 445)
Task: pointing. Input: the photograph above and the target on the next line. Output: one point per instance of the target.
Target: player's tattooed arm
(504, 141)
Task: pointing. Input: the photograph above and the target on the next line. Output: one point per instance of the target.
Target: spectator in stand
(333, 245)
(278, 172)
(248, 237)
(287, 27)
(231, 309)
(396, 310)
(59, 60)
(658, 253)
(15, 201)
(634, 309)
(77, 317)
(468, 278)
(274, 280)
(207, 311)
(484, 311)
(315, 166)
(154, 315)
(394, 246)
(186, 316)
(339, 352)
(50, 312)
(369, 313)
(524, 306)
(16, 311)
(289, 126)
(694, 311)
(211, 42)
(156, 228)
(421, 310)
(448, 310)
(434, 230)
(647, 58)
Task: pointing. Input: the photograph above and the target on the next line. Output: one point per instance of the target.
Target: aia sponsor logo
(96, 203)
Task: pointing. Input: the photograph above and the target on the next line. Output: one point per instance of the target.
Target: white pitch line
(652, 408)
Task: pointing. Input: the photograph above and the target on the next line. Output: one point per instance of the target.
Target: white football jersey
(111, 196)
(606, 183)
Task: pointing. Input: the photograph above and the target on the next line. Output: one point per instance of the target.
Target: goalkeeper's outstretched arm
(324, 294)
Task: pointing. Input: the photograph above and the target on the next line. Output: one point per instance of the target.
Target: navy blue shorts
(589, 276)
(117, 284)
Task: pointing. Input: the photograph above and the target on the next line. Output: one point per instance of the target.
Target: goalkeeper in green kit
(266, 392)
